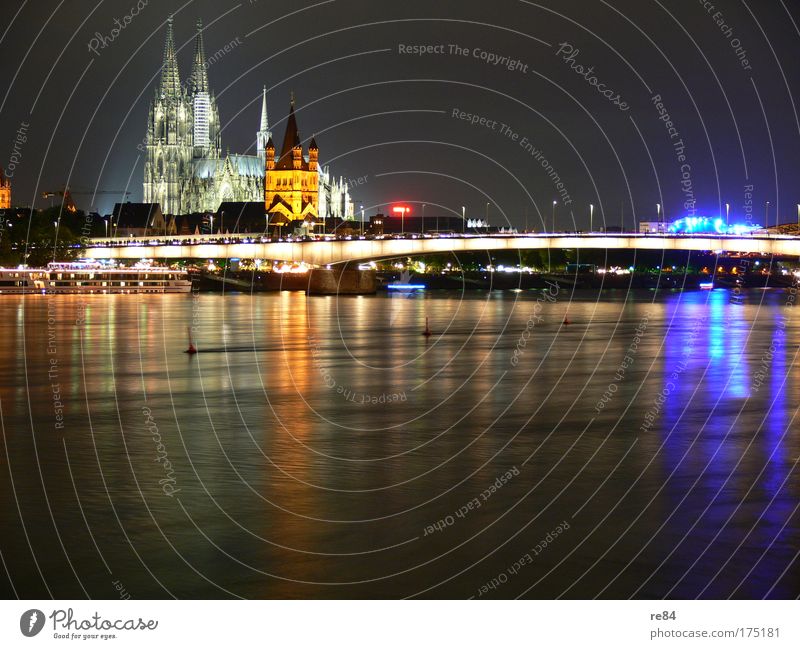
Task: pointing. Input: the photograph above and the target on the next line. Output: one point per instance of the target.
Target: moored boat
(81, 278)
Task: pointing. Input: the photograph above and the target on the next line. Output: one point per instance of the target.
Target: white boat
(79, 278)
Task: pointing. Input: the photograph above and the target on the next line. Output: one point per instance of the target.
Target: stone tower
(169, 139)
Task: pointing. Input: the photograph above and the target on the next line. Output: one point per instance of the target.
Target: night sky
(385, 115)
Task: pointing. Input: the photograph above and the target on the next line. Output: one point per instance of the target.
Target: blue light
(405, 287)
(707, 225)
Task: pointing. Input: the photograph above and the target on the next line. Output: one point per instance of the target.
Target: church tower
(205, 126)
(263, 135)
(291, 183)
(169, 135)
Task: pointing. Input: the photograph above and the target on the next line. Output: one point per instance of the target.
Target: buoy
(427, 331)
(192, 349)
(566, 320)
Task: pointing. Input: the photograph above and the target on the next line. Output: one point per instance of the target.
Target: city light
(708, 225)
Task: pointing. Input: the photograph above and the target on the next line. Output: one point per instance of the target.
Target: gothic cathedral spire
(263, 132)
(170, 78)
(198, 82)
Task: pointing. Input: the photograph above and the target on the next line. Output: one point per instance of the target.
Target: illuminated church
(185, 170)
(5, 191)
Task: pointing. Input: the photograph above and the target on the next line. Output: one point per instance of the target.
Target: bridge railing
(197, 239)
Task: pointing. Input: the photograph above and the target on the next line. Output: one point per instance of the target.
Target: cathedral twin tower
(186, 172)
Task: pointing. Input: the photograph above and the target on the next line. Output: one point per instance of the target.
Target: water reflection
(315, 442)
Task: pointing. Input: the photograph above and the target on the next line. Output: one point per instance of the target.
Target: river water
(323, 447)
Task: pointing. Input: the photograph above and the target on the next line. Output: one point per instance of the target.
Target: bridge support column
(324, 281)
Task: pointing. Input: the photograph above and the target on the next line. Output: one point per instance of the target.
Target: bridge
(321, 252)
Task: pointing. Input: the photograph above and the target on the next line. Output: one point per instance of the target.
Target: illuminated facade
(185, 170)
(291, 183)
(5, 191)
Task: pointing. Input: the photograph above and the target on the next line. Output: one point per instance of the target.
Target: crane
(67, 195)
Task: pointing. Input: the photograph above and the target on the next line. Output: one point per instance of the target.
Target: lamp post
(554, 215)
(727, 216)
(211, 220)
(766, 214)
(798, 216)
(463, 219)
(591, 217)
(423, 218)
(658, 212)
(362, 220)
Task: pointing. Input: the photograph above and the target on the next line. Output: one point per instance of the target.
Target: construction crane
(67, 193)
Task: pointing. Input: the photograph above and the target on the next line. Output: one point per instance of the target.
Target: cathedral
(186, 172)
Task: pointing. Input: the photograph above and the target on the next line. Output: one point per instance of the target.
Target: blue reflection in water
(713, 356)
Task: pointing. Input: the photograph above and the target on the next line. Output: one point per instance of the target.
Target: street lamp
(727, 215)
(766, 215)
(463, 219)
(658, 212)
(362, 220)
(211, 221)
(798, 216)
(423, 218)
(591, 218)
(554, 215)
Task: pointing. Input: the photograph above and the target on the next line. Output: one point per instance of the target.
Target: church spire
(198, 82)
(264, 122)
(263, 132)
(170, 79)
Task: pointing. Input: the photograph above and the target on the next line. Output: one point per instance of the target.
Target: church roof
(242, 165)
(248, 165)
(291, 140)
(205, 167)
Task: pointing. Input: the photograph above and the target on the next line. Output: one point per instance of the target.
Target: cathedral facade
(185, 170)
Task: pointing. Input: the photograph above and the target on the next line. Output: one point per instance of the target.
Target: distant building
(140, 220)
(653, 227)
(395, 224)
(5, 191)
(241, 217)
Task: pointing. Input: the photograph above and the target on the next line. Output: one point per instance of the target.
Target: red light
(401, 209)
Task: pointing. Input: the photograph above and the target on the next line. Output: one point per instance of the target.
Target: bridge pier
(330, 281)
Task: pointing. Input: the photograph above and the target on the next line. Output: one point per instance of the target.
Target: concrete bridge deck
(334, 251)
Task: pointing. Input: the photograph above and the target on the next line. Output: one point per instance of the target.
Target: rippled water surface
(322, 447)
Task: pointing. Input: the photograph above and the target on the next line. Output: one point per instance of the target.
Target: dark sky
(387, 117)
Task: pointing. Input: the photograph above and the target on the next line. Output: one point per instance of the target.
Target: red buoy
(427, 331)
(566, 320)
(192, 349)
